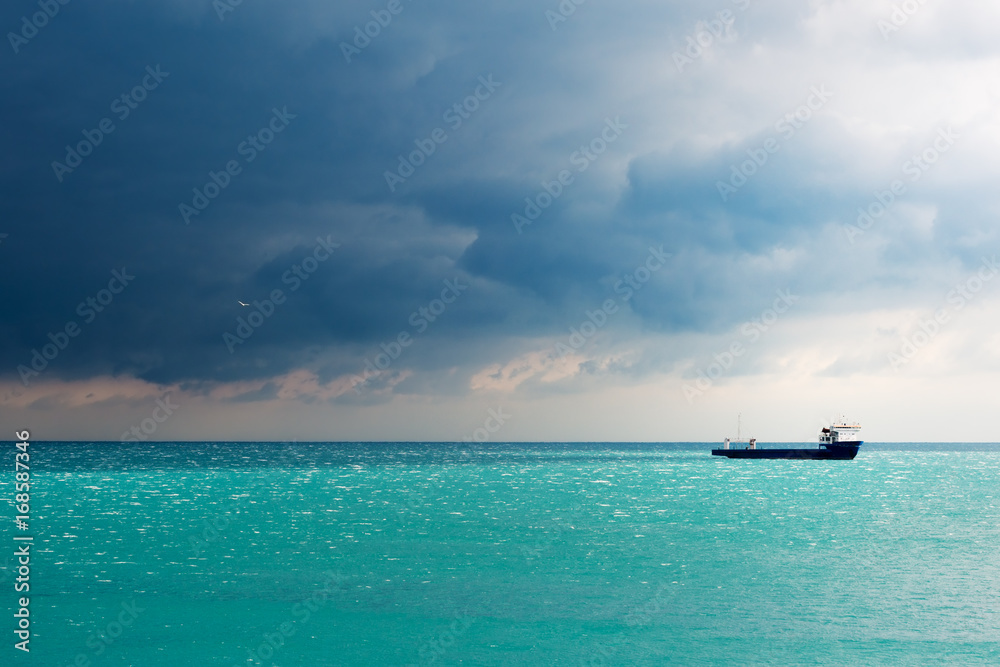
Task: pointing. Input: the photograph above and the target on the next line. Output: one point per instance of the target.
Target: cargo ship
(838, 442)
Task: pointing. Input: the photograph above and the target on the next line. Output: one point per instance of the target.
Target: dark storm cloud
(538, 95)
(216, 84)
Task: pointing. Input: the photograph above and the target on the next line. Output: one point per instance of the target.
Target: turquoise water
(594, 554)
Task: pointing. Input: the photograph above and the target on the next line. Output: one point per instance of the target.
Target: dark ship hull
(841, 451)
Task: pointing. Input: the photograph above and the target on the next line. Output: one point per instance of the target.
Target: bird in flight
(241, 303)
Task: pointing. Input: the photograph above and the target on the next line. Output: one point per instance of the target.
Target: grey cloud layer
(324, 174)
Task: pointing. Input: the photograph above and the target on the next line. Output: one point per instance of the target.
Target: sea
(267, 553)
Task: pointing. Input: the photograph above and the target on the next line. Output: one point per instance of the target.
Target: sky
(517, 221)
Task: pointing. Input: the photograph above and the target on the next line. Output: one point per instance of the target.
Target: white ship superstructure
(841, 433)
